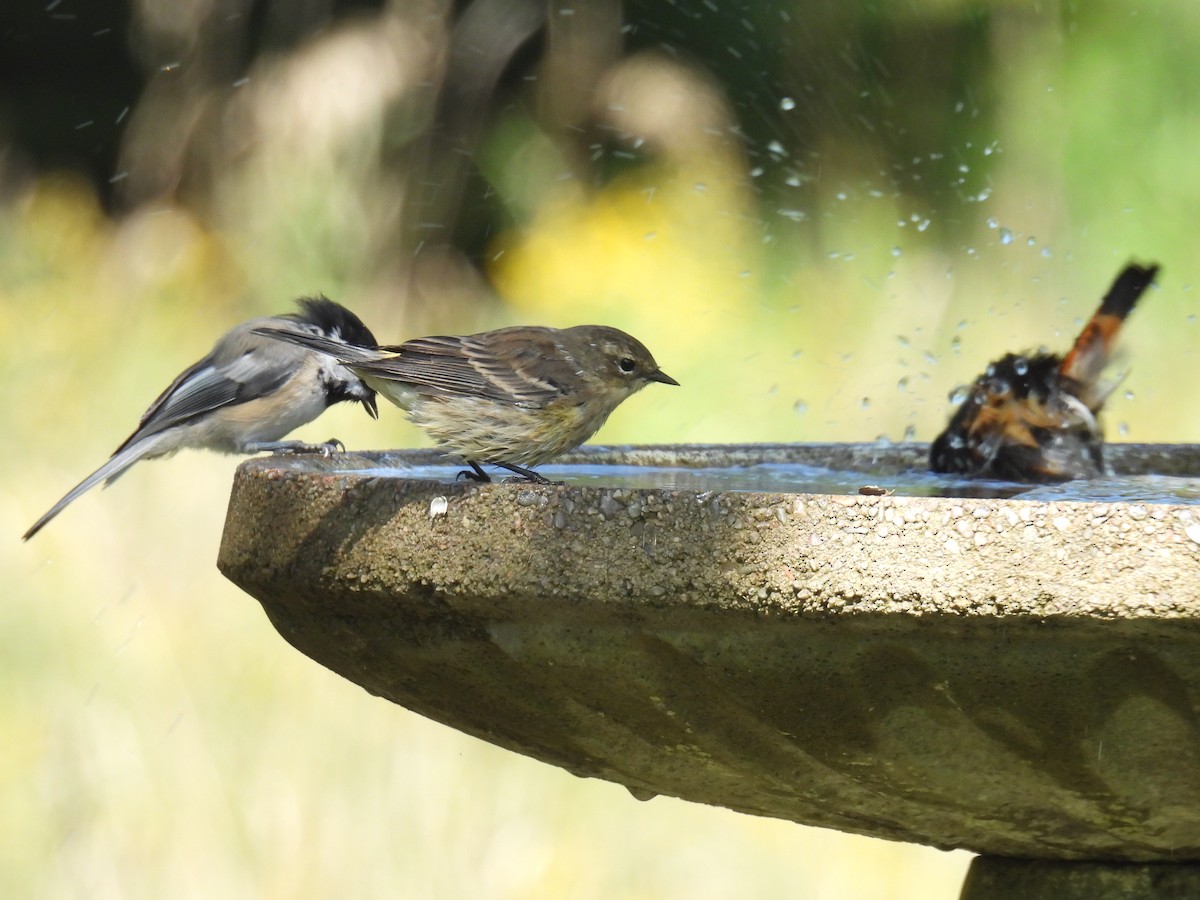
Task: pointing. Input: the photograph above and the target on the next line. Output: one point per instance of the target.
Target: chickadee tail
(345, 353)
(109, 472)
(1095, 343)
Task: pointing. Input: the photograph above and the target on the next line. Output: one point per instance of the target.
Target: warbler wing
(521, 366)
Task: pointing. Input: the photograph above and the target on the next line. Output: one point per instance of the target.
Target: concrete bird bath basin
(1018, 676)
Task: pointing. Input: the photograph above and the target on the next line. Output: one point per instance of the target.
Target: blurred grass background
(820, 218)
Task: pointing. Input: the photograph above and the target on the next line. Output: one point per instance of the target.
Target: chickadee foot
(326, 448)
(330, 447)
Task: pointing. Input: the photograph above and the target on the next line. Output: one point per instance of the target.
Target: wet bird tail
(1093, 348)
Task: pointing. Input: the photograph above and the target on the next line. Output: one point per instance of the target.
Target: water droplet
(983, 195)
(841, 195)
(910, 432)
(993, 222)
(756, 172)
(792, 215)
(799, 407)
(923, 224)
(787, 103)
(700, 187)
(1129, 395)
(1021, 366)
(1123, 429)
(865, 403)
(745, 273)
(793, 181)
(1030, 241)
(896, 251)
(650, 235)
(964, 168)
(776, 148)
(960, 394)
(1046, 252)
(902, 384)
(1191, 319)
(1006, 236)
(956, 345)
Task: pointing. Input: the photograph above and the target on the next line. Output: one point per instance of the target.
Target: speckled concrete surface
(996, 878)
(1013, 677)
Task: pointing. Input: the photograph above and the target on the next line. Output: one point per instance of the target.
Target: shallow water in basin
(807, 479)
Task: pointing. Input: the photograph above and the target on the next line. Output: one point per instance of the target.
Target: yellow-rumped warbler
(1032, 417)
(244, 396)
(514, 398)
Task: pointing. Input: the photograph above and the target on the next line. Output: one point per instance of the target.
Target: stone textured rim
(1013, 677)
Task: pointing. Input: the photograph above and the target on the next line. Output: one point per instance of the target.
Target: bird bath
(1014, 675)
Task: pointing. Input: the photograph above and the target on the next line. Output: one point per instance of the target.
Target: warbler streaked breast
(1033, 416)
(513, 398)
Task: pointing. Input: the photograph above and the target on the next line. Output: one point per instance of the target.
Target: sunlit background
(819, 217)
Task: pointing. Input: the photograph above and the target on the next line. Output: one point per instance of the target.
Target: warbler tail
(343, 352)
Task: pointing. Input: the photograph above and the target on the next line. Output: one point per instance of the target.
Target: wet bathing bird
(1033, 416)
(247, 394)
(513, 398)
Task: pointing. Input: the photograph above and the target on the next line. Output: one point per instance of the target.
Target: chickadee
(245, 396)
(512, 398)
(1032, 417)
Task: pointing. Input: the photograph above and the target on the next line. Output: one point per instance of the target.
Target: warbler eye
(627, 365)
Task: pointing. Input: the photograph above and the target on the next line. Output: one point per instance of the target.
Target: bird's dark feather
(531, 371)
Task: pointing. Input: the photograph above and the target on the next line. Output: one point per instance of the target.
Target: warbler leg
(477, 475)
(326, 448)
(526, 474)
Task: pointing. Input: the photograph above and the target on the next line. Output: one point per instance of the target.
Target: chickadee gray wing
(522, 366)
(245, 395)
(241, 367)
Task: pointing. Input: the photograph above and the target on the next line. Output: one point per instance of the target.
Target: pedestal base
(1004, 878)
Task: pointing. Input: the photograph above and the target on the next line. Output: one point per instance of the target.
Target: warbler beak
(370, 406)
(662, 377)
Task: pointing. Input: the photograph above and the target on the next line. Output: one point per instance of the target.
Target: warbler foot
(524, 474)
(475, 474)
